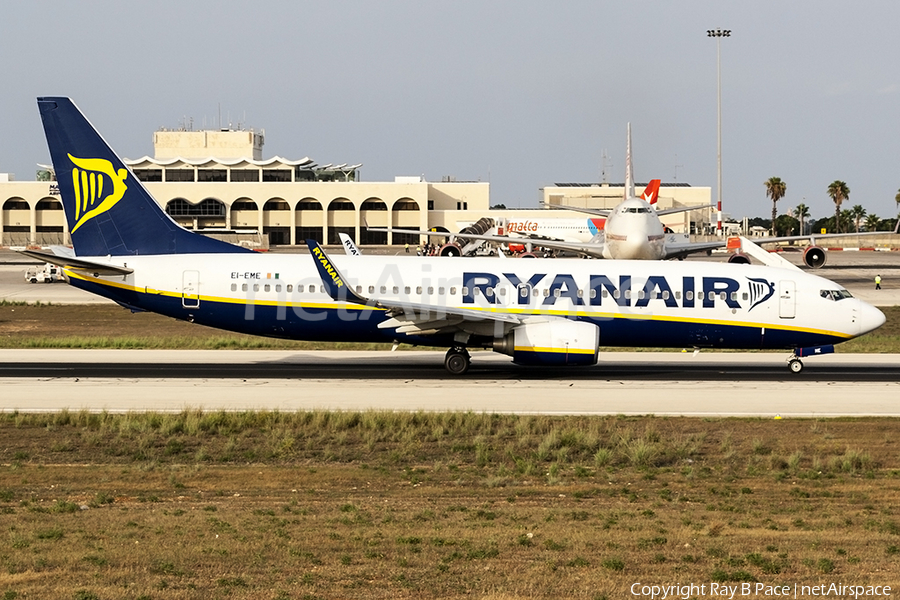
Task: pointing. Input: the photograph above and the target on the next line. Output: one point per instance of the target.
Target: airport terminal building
(217, 181)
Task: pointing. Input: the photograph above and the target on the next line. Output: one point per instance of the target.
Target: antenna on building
(675, 177)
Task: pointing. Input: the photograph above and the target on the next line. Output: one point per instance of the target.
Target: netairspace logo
(758, 590)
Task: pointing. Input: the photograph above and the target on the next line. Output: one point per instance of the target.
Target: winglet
(350, 248)
(334, 281)
(651, 192)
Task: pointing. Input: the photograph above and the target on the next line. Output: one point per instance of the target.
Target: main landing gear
(457, 360)
(795, 364)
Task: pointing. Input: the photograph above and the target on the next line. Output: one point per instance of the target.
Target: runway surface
(710, 384)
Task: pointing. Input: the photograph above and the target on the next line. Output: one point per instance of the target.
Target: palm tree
(801, 213)
(872, 222)
(839, 192)
(897, 199)
(846, 219)
(775, 189)
(858, 213)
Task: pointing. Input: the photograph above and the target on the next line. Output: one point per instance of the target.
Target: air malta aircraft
(540, 312)
(630, 230)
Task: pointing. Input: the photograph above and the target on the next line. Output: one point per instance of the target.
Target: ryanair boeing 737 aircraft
(540, 312)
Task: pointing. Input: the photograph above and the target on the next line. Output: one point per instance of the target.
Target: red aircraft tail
(651, 193)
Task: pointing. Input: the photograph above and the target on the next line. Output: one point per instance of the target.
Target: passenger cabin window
(243, 287)
(233, 287)
(268, 288)
(290, 288)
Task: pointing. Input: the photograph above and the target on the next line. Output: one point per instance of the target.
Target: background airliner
(540, 312)
(630, 230)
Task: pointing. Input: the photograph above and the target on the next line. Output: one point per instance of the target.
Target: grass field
(316, 505)
(413, 505)
(88, 326)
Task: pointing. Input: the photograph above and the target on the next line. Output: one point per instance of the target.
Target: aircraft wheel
(795, 365)
(457, 361)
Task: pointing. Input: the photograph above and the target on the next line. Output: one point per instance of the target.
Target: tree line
(796, 220)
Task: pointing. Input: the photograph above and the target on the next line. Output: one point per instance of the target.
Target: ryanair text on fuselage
(656, 287)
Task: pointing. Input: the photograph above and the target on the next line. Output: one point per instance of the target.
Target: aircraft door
(787, 301)
(190, 289)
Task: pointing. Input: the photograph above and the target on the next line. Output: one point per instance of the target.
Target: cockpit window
(637, 210)
(835, 295)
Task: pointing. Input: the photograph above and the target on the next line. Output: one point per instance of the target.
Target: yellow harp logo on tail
(88, 177)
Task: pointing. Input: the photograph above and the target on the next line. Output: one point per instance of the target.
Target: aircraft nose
(870, 318)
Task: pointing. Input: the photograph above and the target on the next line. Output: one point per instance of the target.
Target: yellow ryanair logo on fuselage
(88, 176)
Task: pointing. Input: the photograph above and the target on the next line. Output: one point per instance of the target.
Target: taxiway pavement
(662, 383)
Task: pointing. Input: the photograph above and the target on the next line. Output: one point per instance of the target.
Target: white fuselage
(666, 304)
(634, 232)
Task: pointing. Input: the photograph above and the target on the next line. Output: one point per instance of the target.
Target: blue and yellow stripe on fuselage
(332, 321)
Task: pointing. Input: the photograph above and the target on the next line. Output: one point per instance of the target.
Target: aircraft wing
(411, 318)
(78, 264)
(500, 239)
(672, 211)
(680, 250)
(599, 212)
(812, 237)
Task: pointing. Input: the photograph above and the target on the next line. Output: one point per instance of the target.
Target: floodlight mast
(719, 34)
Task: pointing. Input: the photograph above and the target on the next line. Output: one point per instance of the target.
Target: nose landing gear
(794, 363)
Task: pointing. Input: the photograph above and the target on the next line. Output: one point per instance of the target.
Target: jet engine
(814, 257)
(554, 342)
(451, 249)
(739, 258)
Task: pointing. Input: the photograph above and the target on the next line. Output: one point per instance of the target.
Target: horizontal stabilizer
(78, 264)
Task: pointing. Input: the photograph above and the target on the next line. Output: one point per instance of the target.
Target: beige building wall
(204, 144)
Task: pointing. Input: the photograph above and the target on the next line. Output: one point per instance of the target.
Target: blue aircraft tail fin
(108, 210)
(334, 282)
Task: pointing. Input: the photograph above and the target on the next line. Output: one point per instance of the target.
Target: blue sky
(522, 94)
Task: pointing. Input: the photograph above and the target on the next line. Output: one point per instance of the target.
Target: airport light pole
(719, 34)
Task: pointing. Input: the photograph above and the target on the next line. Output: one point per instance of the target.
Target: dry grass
(388, 505)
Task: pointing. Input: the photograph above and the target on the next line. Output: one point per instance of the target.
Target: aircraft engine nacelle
(739, 258)
(814, 257)
(556, 342)
(451, 249)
